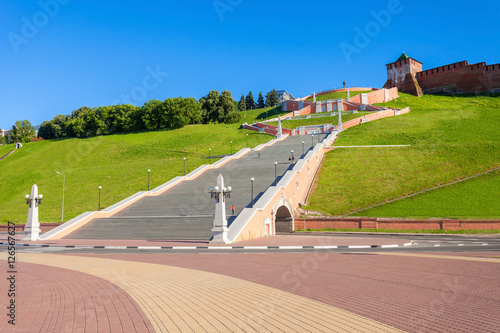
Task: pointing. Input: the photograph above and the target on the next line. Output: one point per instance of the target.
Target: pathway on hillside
(186, 210)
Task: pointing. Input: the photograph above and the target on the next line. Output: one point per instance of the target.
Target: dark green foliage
(261, 103)
(154, 114)
(242, 105)
(105, 120)
(22, 131)
(219, 108)
(272, 99)
(151, 114)
(250, 101)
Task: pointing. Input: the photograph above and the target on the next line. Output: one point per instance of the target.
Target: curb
(318, 247)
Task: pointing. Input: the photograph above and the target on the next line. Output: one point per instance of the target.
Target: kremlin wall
(407, 75)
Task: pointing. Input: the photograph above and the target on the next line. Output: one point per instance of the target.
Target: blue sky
(59, 55)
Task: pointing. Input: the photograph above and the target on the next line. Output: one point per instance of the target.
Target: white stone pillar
(340, 105)
(280, 132)
(220, 223)
(348, 95)
(32, 228)
(364, 98)
(314, 97)
(339, 128)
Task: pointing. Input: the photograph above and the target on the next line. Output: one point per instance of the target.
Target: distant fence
(394, 224)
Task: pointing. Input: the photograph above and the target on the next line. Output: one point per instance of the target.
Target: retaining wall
(290, 191)
(395, 224)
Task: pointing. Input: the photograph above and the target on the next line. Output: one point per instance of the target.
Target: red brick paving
(410, 293)
(50, 299)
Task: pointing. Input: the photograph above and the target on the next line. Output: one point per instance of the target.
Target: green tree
(210, 106)
(2, 140)
(46, 131)
(272, 99)
(54, 129)
(250, 101)
(192, 109)
(261, 103)
(151, 114)
(242, 105)
(22, 131)
(219, 107)
(228, 112)
(80, 112)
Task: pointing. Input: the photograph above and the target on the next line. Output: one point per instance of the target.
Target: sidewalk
(291, 292)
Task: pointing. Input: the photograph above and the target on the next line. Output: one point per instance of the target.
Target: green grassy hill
(4, 149)
(337, 95)
(118, 163)
(459, 200)
(450, 137)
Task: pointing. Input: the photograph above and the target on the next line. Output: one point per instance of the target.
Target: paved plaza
(274, 292)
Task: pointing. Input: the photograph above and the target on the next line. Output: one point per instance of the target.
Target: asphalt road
(421, 243)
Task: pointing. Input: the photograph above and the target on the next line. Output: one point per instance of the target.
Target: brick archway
(283, 218)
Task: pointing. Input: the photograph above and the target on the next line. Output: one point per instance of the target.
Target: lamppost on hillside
(312, 140)
(99, 204)
(275, 173)
(184, 166)
(149, 172)
(303, 148)
(64, 184)
(247, 140)
(231, 147)
(252, 180)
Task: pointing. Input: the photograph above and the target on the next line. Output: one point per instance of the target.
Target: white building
(284, 95)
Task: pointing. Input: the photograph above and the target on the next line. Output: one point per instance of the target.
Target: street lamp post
(312, 140)
(64, 184)
(149, 172)
(275, 173)
(184, 166)
(231, 147)
(247, 140)
(303, 148)
(292, 157)
(99, 205)
(252, 180)
(209, 155)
